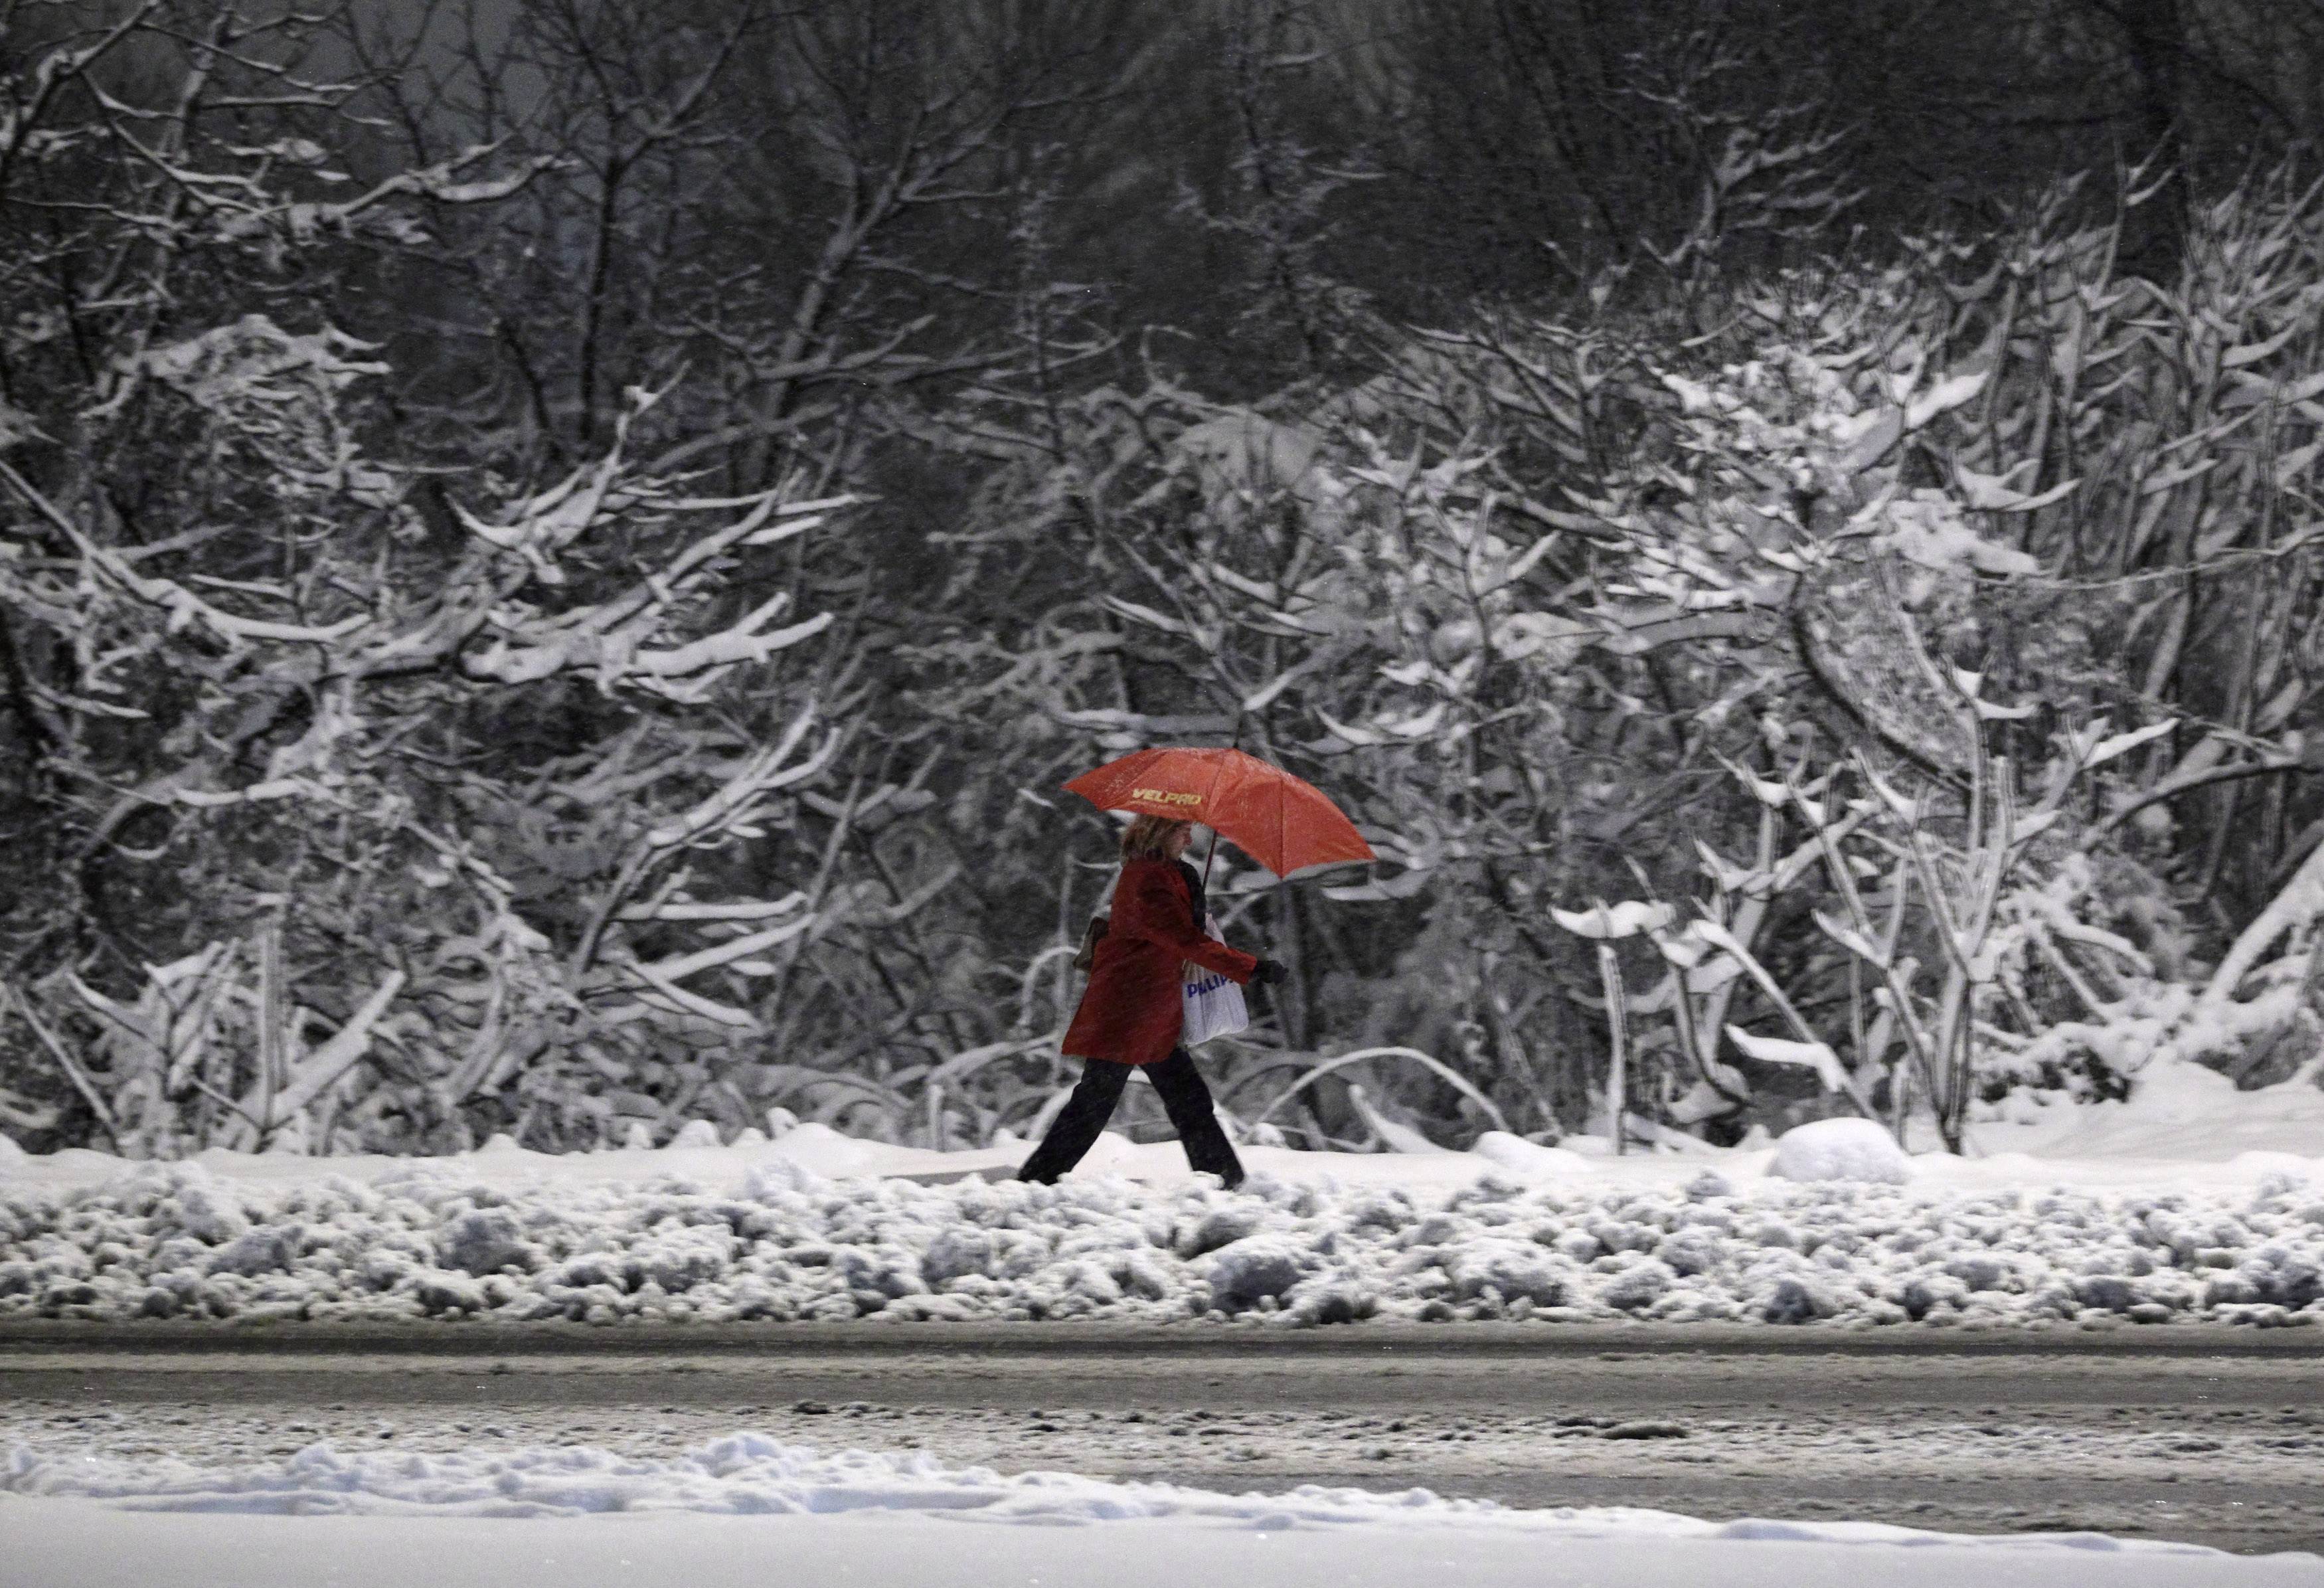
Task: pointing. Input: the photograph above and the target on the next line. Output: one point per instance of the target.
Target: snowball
(1512, 1268)
(825, 1151)
(485, 1240)
(778, 1176)
(957, 1252)
(1694, 1251)
(1579, 1245)
(1840, 1150)
(639, 1138)
(1242, 1271)
(2107, 1293)
(1529, 1159)
(1981, 1270)
(695, 1133)
(205, 1210)
(1222, 1226)
(1796, 1301)
(1641, 1285)
(442, 1292)
(265, 1250)
(1339, 1298)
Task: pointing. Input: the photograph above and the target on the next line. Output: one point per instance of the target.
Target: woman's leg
(1078, 1124)
(1188, 1103)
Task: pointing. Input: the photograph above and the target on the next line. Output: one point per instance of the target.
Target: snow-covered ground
(731, 1511)
(2199, 1203)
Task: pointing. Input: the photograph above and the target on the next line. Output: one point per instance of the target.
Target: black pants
(1183, 1095)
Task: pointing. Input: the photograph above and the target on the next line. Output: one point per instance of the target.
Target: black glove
(1269, 973)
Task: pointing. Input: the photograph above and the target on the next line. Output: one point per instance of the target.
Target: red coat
(1131, 1011)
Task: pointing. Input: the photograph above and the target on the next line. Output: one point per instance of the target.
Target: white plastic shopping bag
(1213, 1004)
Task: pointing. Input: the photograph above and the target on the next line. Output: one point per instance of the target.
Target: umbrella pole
(1212, 853)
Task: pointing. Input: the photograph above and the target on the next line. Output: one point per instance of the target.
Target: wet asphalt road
(2212, 1435)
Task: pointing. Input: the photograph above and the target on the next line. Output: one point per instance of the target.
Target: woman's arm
(1148, 905)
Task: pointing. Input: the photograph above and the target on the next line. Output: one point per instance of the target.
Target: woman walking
(1131, 1016)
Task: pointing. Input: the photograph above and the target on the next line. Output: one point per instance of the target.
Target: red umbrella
(1276, 819)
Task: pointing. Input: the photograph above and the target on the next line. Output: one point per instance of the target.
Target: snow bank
(2179, 1113)
(74, 1542)
(449, 1241)
(719, 1513)
(2185, 1129)
(754, 1474)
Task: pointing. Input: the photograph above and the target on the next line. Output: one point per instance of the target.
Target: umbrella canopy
(1276, 819)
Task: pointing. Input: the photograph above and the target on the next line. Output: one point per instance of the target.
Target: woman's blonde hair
(1148, 838)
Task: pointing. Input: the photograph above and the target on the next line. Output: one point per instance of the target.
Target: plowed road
(2212, 1435)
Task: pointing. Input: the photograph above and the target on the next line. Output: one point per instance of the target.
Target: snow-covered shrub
(427, 738)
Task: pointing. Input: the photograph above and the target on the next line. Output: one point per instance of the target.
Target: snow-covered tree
(341, 815)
